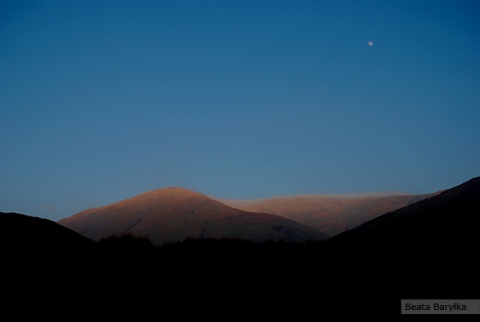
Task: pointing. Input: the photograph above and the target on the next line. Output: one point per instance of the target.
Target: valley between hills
(178, 254)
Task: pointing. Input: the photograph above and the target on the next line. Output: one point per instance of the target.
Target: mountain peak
(170, 192)
(172, 214)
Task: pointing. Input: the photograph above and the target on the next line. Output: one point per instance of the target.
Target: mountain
(329, 214)
(46, 268)
(173, 214)
(425, 250)
(444, 220)
(21, 233)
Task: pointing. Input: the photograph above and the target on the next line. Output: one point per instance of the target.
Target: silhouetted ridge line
(446, 219)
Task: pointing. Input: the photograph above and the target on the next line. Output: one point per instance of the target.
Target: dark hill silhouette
(173, 214)
(448, 219)
(22, 233)
(426, 250)
(46, 268)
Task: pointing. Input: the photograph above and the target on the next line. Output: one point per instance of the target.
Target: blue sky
(102, 100)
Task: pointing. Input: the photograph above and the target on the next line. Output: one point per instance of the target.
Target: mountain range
(423, 250)
(172, 214)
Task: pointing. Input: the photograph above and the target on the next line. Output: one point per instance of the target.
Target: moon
(370, 43)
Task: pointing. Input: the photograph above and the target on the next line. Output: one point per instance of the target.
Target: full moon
(370, 43)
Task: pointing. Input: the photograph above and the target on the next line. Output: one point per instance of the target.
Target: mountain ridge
(331, 214)
(451, 212)
(172, 214)
(29, 233)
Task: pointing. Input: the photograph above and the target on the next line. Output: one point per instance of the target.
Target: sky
(101, 100)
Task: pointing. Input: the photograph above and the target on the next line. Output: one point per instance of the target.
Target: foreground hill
(329, 214)
(173, 214)
(447, 219)
(47, 269)
(21, 233)
(426, 250)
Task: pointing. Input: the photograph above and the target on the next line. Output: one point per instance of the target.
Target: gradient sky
(103, 100)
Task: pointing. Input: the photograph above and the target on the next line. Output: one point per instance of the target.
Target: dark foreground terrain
(426, 250)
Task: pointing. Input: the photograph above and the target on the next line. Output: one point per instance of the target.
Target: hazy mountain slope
(329, 214)
(172, 214)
